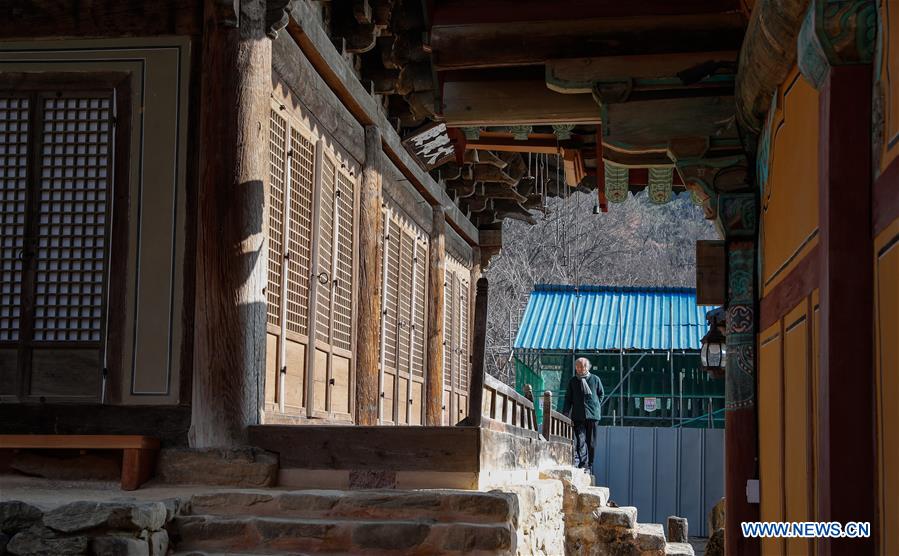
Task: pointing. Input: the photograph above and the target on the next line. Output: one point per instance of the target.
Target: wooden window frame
(37, 86)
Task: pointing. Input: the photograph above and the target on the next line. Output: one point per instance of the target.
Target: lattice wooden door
(456, 341)
(403, 325)
(312, 200)
(56, 179)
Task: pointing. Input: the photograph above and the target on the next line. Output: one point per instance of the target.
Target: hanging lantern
(713, 353)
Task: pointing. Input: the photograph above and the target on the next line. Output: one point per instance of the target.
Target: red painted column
(846, 427)
(741, 424)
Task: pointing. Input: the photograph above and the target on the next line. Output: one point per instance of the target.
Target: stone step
(650, 537)
(679, 549)
(579, 478)
(624, 517)
(593, 498)
(259, 535)
(438, 505)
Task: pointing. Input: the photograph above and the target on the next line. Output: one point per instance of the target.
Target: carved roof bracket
(833, 33)
(708, 177)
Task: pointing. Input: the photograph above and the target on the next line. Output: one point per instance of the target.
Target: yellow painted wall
(788, 348)
(789, 221)
(771, 440)
(797, 420)
(886, 276)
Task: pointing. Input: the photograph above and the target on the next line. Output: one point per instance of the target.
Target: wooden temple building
(259, 222)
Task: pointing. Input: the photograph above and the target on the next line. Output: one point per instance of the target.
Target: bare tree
(636, 243)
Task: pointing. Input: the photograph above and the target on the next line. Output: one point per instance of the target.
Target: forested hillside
(635, 243)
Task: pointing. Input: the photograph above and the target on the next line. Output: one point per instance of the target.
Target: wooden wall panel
(887, 384)
(797, 422)
(320, 380)
(271, 371)
(789, 220)
(771, 442)
(340, 393)
(816, 342)
(295, 381)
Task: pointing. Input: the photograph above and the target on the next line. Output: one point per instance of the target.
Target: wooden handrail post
(370, 255)
(547, 413)
(476, 393)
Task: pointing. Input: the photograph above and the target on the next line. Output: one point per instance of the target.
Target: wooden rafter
(460, 12)
(483, 103)
(534, 42)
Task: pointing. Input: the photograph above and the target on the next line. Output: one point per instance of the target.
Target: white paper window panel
(391, 294)
(325, 245)
(13, 192)
(71, 229)
(421, 310)
(464, 335)
(299, 243)
(449, 309)
(343, 294)
(277, 175)
(404, 307)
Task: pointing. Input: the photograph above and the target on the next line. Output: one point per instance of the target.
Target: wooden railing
(555, 425)
(502, 404)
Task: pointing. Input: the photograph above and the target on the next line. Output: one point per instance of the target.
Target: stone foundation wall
(539, 523)
(102, 528)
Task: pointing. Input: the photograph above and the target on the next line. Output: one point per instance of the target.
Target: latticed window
(343, 271)
(277, 175)
(405, 314)
(456, 340)
(56, 201)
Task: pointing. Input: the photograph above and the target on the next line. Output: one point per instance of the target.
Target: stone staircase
(561, 514)
(593, 528)
(348, 522)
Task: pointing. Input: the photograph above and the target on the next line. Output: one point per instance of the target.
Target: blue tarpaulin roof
(609, 318)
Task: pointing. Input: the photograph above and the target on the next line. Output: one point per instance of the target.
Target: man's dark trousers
(584, 437)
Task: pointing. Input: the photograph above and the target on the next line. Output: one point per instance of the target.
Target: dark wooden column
(835, 51)
(371, 248)
(436, 307)
(231, 259)
(478, 350)
(738, 214)
(846, 428)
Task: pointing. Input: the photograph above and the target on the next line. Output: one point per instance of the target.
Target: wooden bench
(138, 459)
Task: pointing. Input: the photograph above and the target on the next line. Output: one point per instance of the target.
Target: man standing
(583, 403)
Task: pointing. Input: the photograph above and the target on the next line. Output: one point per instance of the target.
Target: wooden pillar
(479, 347)
(436, 306)
(738, 214)
(371, 248)
(835, 54)
(231, 259)
(846, 427)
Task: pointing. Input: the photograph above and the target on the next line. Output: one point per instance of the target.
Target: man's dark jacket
(582, 406)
